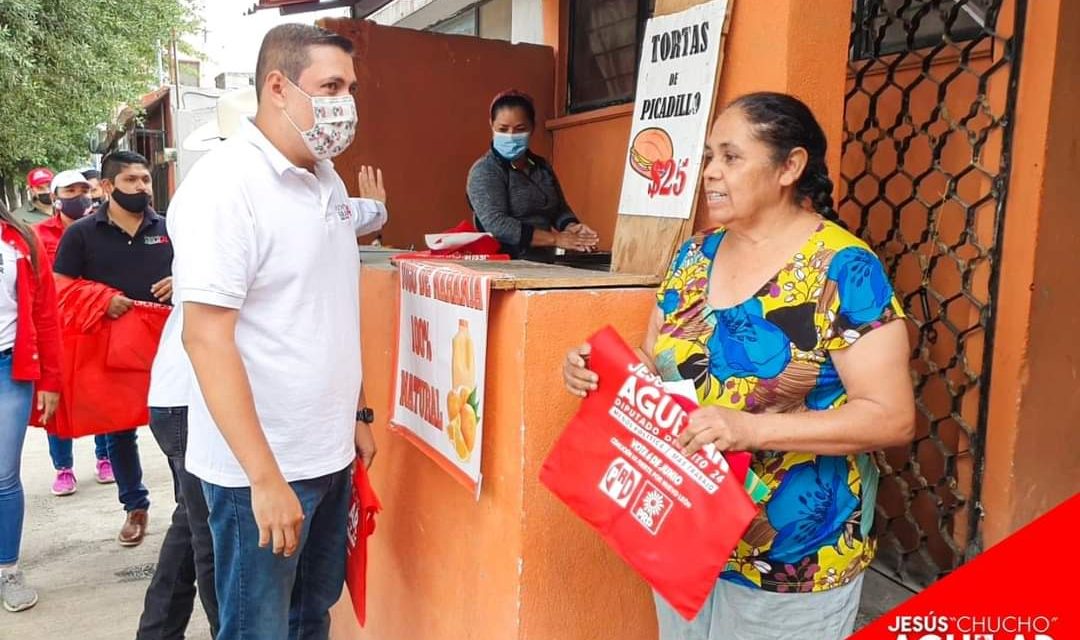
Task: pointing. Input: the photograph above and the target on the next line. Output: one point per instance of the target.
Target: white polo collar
(248, 131)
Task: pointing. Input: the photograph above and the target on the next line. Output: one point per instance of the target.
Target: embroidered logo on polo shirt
(343, 211)
(155, 239)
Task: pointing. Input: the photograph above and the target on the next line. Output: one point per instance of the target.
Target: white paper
(441, 241)
(684, 388)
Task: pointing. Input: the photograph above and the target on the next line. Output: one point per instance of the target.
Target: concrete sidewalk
(91, 588)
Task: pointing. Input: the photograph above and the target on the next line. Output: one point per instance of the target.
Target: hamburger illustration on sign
(652, 156)
(673, 100)
(650, 146)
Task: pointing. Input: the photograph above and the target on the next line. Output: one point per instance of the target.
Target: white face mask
(335, 124)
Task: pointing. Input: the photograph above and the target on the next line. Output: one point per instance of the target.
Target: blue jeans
(262, 596)
(60, 451)
(124, 455)
(15, 400)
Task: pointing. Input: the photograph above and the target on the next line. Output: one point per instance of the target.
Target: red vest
(49, 231)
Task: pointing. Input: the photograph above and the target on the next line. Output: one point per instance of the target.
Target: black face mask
(74, 208)
(133, 202)
(43, 198)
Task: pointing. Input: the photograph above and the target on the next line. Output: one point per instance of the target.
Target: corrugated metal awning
(360, 8)
(287, 7)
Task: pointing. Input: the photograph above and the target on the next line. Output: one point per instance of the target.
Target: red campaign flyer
(617, 465)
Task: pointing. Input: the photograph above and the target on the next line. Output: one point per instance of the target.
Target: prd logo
(620, 481)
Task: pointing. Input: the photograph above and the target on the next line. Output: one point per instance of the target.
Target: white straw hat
(231, 108)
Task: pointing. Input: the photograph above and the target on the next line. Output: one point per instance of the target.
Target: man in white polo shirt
(267, 270)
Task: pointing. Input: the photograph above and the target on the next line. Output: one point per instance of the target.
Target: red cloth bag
(674, 520)
(361, 524)
(111, 372)
(106, 364)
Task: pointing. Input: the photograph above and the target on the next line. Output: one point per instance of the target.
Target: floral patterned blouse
(772, 353)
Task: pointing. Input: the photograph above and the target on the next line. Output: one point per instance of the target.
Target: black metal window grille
(925, 167)
(893, 26)
(605, 45)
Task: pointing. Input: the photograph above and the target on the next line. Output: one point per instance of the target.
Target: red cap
(38, 177)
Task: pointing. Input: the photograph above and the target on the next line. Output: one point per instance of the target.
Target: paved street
(91, 588)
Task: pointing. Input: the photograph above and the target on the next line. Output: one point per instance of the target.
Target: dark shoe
(134, 529)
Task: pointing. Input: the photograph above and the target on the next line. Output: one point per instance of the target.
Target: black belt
(6, 352)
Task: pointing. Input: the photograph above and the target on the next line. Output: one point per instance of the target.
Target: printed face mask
(334, 128)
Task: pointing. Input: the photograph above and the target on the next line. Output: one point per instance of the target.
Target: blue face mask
(511, 145)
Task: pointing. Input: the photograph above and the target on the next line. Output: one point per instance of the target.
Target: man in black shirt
(123, 244)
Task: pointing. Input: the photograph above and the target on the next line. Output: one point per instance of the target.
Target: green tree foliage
(65, 67)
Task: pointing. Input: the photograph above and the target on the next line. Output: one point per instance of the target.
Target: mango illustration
(459, 447)
(453, 430)
(468, 426)
(456, 399)
(453, 404)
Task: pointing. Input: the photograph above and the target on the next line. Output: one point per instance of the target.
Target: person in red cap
(39, 205)
(70, 202)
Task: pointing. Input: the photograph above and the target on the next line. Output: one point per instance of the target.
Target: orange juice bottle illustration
(463, 364)
(462, 407)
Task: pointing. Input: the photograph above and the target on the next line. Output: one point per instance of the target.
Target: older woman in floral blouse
(789, 329)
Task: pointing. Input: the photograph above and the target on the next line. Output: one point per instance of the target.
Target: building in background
(234, 80)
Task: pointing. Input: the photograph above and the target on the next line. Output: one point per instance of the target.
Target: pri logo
(652, 508)
(620, 481)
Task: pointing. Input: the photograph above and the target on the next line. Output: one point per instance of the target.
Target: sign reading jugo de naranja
(439, 370)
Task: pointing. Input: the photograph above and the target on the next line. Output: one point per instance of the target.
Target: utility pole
(175, 64)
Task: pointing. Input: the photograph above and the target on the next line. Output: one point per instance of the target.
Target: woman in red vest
(29, 357)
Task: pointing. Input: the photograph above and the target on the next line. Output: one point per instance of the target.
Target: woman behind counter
(514, 192)
(788, 326)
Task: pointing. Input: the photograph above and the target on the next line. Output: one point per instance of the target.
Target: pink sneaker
(65, 483)
(104, 473)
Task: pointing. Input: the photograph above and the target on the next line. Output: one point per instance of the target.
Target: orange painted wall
(423, 116)
(1033, 462)
(442, 562)
(588, 159)
(574, 586)
(515, 564)
(1049, 473)
(767, 49)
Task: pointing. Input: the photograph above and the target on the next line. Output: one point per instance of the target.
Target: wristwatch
(365, 415)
